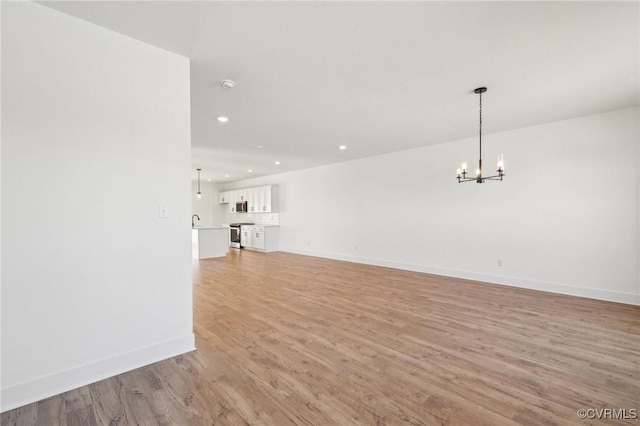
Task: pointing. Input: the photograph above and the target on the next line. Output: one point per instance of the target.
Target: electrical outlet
(499, 262)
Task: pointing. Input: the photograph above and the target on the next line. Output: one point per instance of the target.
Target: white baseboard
(43, 387)
(591, 293)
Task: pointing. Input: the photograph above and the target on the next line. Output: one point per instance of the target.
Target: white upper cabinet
(260, 199)
(253, 200)
(232, 202)
(241, 194)
(256, 203)
(265, 199)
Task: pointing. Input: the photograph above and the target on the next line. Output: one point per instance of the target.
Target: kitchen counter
(209, 241)
(211, 227)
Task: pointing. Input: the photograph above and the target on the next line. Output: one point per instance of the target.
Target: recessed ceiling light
(259, 146)
(277, 163)
(227, 84)
(227, 176)
(209, 180)
(250, 170)
(342, 147)
(222, 119)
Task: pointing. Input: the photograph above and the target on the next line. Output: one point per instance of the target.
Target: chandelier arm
(460, 180)
(496, 177)
(482, 179)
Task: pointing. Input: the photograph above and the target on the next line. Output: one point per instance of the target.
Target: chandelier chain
(480, 157)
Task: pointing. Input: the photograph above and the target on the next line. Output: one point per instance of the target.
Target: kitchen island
(209, 241)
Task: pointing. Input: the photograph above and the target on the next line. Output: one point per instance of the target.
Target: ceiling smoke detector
(227, 84)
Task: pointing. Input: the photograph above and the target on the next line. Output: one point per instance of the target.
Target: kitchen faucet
(192, 222)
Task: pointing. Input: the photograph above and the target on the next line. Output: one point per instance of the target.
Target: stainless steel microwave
(241, 206)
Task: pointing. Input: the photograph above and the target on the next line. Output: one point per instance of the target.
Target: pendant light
(199, 194)
(462, 171)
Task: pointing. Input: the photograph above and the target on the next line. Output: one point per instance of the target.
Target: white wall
(565, 219)
(211, 213)
(203, 207)
(95, 138)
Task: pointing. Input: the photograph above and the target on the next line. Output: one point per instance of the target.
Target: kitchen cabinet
(263, 238)
(253, 200)
(263, 199)
(266, 199)
(246, 238)
(231, 208)
(260, 199)
(257, 238)
(241, 194)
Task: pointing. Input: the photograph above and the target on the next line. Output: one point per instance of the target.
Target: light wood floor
(287, 339)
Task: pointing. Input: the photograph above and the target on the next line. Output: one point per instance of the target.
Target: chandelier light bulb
(199, 195)
(464, 167)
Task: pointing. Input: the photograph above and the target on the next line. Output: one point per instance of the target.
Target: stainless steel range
(234, 234)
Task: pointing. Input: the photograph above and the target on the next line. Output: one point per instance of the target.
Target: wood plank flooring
(287, 339)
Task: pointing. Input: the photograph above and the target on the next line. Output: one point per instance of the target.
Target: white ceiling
(378, 76)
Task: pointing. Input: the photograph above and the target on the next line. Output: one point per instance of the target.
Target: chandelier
(479, 178)
(199, 193)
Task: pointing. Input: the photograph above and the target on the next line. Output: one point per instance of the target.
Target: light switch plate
(163, 212)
